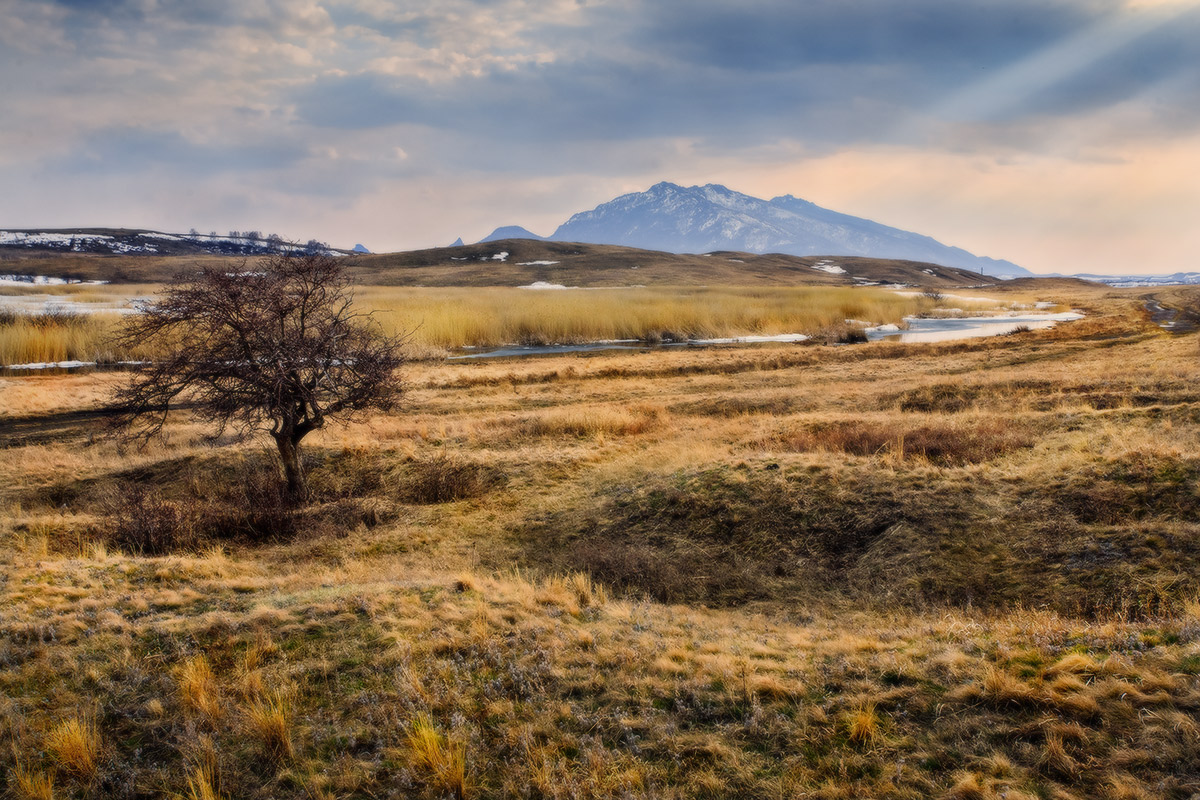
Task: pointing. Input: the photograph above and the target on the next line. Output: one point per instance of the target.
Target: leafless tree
(273, 347)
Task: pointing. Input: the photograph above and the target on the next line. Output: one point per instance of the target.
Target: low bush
(445, 478)
(957, 443)
(143, 519)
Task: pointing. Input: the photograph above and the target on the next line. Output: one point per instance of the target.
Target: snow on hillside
(74, 242)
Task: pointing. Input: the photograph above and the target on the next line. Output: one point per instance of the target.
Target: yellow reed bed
(440, 318)
(450, 317)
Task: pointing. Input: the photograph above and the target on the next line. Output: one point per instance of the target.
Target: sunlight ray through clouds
(995, 96)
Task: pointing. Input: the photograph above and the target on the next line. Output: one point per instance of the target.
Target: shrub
(141, 521)
(444, 478)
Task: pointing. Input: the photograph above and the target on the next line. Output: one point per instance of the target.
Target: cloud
(300, 104)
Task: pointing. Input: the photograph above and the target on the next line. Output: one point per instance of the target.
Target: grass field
(965, 570)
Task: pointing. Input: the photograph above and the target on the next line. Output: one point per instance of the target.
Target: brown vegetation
(965, 570)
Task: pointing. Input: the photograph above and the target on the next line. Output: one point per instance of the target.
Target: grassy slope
(473, 265)
(965, 570)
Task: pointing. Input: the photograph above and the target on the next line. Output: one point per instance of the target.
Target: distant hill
(523, 261)
(1121, 281)
(148, 256)
(702, 219)
(510, 232)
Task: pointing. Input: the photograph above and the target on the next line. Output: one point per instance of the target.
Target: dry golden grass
(443, 760)
(74, 744)
(198, 689)
(457, 317)
(632, 575)
(31, 784)
(269, 720)
(438, 319)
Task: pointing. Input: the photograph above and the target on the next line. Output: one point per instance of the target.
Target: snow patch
(783, 337)
(830, 267)
(543, 285)
(536, 263)
(43, 280)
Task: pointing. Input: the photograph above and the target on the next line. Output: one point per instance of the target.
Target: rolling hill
(519, 262)
(148, 256)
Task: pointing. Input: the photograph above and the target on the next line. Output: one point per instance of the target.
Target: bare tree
(276, 347)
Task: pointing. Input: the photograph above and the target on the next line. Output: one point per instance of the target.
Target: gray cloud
(833, 71)
(315, 98)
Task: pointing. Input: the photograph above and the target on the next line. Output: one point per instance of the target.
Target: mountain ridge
(700, 219)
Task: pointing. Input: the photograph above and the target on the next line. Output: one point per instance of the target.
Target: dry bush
(445, 478)
(962, 442)
(838, 333)
(143, 521)
(592, 421)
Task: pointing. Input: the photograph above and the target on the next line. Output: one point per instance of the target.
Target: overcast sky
(1063, 135)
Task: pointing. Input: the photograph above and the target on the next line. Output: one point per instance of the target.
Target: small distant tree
(277, 347)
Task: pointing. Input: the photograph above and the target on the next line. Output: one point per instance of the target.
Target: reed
(451, 318)
(41, 338)
(436, 319)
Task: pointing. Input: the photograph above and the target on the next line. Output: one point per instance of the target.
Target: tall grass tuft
(31, 784)
(862, 725)
(270, 719)
(445, 761)
(75, 745)
(198, 689)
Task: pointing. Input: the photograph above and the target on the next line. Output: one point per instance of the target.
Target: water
(949, 330)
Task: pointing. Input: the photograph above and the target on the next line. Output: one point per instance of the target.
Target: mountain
(701, 219)
(360, 248)
(511, 232)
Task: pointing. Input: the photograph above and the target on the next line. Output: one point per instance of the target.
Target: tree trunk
(293, 469)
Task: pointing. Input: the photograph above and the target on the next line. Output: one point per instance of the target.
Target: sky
(1063, 135)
